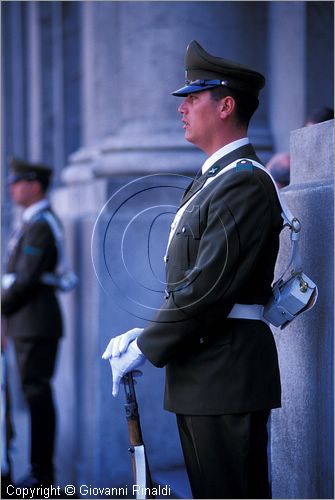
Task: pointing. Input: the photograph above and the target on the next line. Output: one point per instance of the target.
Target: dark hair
(43, 180)
(246, 104)
(44, 184)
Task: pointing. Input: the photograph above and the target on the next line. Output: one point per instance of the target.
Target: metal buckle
(295, 225)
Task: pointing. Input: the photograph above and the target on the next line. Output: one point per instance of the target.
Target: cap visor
(191, 89)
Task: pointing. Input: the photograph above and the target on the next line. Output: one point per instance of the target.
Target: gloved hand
(128, 361)
(118, 345)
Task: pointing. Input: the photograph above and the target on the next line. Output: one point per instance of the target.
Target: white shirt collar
(29, 212)
(222, 152)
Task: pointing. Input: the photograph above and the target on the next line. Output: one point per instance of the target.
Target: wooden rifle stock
(137, 448)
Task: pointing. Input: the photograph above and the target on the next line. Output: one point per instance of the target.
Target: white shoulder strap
(289, 219)
(57, 232)
(62, 278)
(286, 212)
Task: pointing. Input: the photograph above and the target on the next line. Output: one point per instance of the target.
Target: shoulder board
(244, 165)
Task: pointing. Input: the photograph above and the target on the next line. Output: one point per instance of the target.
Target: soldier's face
(23, 192)
(201, 118)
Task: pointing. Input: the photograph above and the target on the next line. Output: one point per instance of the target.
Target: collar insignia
(213, 170)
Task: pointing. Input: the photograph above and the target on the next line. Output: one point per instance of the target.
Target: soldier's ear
(227, 106)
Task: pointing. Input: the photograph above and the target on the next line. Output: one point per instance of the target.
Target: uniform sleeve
(37, 255)
(238, 218)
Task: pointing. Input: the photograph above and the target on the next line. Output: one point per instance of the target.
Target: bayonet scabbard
(140, 466)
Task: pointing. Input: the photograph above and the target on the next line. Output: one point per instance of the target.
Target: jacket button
(183, 230)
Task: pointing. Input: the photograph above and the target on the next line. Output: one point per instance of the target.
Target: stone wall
(302, 430)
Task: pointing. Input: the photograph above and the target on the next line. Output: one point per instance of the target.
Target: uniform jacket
(223, 252)
(30, 307)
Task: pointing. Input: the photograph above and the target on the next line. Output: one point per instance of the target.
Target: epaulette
(243, 165)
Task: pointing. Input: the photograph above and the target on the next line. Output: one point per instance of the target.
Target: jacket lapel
(242, 152)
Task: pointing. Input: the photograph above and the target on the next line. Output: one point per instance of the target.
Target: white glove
(128, 361)
(118, 345)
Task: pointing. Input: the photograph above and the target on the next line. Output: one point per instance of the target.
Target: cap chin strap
(231, 83)
(203, 83)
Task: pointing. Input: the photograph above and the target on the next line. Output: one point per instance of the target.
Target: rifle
(143, 485)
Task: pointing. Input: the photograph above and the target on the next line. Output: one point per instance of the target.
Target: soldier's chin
(188, 136)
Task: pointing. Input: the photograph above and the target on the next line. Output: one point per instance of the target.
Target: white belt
(247, 311)
(7, 280)
(46, 278)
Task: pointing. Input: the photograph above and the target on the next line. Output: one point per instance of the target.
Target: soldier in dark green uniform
(222, 374)
(31, 312)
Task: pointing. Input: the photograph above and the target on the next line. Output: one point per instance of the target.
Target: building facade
(86, 87)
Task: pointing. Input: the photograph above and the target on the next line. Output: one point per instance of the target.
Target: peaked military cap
(204, 71)
(21, 169)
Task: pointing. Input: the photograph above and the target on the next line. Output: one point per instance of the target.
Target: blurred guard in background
(30, 310)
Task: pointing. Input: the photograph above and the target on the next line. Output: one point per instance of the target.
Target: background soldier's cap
(204, 71)
(21, 169)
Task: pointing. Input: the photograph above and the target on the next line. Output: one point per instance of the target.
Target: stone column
(133, 58)
(34, 84)
(287, 60)
(302, 430)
